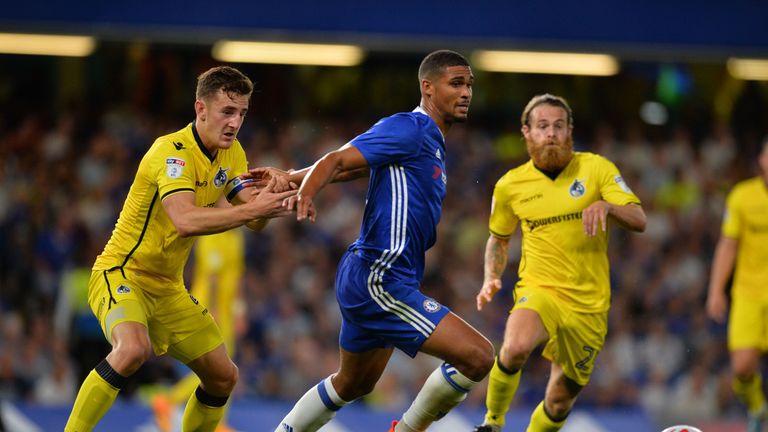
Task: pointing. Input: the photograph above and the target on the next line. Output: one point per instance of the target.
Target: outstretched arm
(263, 174)
(495, 262)
(189, 219)
(347, 158)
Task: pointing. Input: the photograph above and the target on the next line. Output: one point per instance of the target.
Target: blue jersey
(406, 155)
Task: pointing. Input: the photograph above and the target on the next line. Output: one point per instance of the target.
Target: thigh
(459, 344)
(381, 312)
(579, 340)
(525, 330)
(115, 300)
(536, 314)
(747, 324)
(212, 365)
(183, 327)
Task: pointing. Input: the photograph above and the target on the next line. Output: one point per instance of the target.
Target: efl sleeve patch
(174, 167)
(622, 184)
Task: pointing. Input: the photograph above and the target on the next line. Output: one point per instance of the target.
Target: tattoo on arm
(495, 257)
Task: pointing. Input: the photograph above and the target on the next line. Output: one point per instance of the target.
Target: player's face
(548, 137)
(453, 93)
(219, 119)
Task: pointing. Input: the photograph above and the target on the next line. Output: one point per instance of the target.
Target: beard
(551, 158)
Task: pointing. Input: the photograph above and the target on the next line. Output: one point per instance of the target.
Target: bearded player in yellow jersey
(563, 202)
(744, 242)
(136, 288)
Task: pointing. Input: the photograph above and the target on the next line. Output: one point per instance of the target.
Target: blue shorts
(379, 311)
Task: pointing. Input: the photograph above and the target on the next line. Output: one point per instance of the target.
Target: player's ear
(200, 109)
(426, 87)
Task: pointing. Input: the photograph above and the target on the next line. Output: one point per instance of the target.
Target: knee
(745, 369)
(478, 361)
(128, 356)
(743, 372)
(558, 408)
(514, 354)
(223, 381)
(350, 389)
(227, 381)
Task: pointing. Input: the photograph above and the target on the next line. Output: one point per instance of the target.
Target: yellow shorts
(748, 323)
(575, 338)
(177, 323)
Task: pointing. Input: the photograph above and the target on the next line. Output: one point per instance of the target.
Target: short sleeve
(172, 169)
(239, 162)
(613, 188)
(503, 220)
(392, 139)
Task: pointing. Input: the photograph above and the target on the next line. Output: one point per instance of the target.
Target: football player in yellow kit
(744, 243)
(136, 288)
(562, 201)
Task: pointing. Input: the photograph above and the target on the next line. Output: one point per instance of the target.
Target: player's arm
(495, 262)
(190, 220)
(629, 216)
(263, 174)
(241, 197)
(722, 266)
(347, 158)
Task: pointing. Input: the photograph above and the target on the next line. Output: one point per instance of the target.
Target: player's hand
(489, 289)
(305, 208)
(262, 175)
(268, 203)
(717, 306)
(595, 217)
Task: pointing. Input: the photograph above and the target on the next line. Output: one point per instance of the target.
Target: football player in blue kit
(378, 279)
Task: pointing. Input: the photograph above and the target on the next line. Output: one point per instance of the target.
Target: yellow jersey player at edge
(563, 201)
(744, 242)
(136, 288)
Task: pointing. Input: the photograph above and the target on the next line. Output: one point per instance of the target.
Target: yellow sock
(502, 387)
(541, 422)
(93, 401)
(203, 416)
(186, 386)
(750, 393)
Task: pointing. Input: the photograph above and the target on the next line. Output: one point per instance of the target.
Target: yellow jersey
(556, 253)
(746, 219)
(144, 239)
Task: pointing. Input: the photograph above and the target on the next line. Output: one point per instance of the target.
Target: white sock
(316, 408)
(445, 388)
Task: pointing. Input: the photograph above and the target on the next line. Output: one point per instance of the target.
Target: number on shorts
(582, 364)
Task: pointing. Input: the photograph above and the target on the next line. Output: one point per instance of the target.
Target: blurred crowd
(63, 179)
